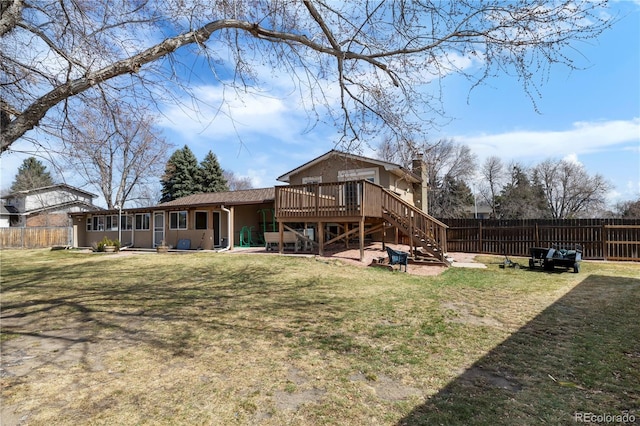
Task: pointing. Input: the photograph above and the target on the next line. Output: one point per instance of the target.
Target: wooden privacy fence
(36, 237)
(608, 239)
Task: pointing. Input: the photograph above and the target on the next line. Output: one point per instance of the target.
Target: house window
(143, 221)
(311, 179)
(127, 222)
(98, 223)
(370, 175)
(111, 222)
(178, 220)
(201, 220)
(89, 224)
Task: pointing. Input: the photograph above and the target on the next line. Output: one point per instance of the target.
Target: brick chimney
(420, 194)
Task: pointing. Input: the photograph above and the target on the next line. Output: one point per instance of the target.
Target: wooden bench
(273, 238)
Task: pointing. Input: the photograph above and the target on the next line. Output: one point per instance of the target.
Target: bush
(107, 242)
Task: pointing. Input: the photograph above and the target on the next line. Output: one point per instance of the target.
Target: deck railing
(417, 223)
(329, 200)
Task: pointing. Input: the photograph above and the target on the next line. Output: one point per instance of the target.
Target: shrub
(107, 242)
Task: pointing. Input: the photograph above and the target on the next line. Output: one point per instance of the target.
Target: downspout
(228, 229)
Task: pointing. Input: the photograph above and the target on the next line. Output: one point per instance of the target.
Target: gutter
(228, 228)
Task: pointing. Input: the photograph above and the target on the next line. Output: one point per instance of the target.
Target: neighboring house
(5, 216)
(336, 197)
(480, 210)
(47, 206)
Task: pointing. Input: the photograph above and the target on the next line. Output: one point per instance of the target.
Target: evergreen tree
(31, 174)
(520, 198)
(452, 198)
(211, 177)
(181, 175)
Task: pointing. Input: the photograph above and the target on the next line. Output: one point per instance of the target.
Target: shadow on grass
(580, 355)
(168, 307)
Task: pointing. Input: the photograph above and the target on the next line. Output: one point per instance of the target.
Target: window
(143, 221)
(311, 179)
(127, 222)
(178, 220)
(112, 223)
(359, 174)
(98, 223)
(201, 220)
(89, 224)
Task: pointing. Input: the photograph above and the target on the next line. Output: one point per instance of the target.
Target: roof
(47, 188)
(4, 211)
(390, 167)
(75, 203)
(245, 196)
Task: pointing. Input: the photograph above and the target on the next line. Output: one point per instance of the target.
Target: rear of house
(200, 221)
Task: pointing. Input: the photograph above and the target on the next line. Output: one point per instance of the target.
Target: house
(47, 206)
(335, 198)
(5, 216)
(219, 220)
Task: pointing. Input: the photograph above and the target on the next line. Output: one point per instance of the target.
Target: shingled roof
(230, 198)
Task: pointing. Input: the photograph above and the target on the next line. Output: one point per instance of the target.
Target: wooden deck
(360, 208)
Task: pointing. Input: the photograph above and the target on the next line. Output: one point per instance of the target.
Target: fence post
(604, 241)
(480, 236)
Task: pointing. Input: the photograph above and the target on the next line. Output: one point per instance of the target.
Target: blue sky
(591, 116)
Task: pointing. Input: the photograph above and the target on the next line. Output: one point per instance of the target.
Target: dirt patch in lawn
(373, 253)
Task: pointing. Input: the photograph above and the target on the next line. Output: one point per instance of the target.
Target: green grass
(206, 338)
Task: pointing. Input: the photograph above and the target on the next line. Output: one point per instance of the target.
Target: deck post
(362, 239)
(281, 243)
(320, 239)
(346, 239)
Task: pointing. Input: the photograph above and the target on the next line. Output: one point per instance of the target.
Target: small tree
(181, 176)
(493, 173)
(210, 175)
(31, 174)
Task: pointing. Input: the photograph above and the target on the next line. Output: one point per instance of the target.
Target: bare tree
(494, 175)
(235, 182)
(116, 150)
(379, 56)
(628, 209)
(569, 190)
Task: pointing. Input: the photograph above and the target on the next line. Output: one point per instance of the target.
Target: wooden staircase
(428, 235)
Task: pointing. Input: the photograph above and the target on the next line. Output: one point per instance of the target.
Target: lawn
(204, 338)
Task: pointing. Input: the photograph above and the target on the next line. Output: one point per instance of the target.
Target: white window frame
(182, 220)
(371, 174)
(147, 222)
(111, 222)
(311, 179)
(97, 223)
(127, 221)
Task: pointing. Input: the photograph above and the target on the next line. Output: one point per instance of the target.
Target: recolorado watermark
(585, 417)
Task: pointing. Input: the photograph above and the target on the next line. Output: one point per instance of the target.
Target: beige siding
(330, 168)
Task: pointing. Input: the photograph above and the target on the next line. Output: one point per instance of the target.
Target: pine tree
(211, 177)
(181, 175)
(31, 174)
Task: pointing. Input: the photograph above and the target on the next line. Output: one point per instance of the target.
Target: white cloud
(572, 158)
(582, 138)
